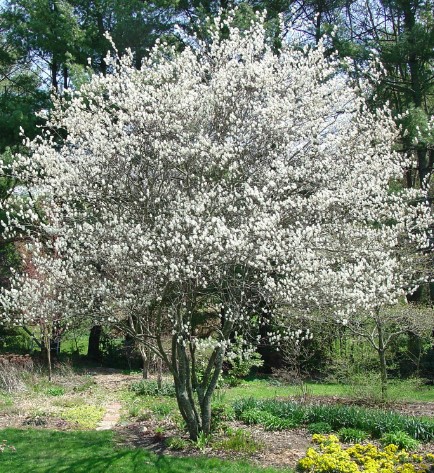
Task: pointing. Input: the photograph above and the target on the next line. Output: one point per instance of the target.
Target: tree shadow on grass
(46, 451)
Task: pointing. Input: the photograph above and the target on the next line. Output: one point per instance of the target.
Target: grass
(262, 389)
(40, 451)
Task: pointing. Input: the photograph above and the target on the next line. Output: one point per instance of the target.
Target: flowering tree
(207, 190)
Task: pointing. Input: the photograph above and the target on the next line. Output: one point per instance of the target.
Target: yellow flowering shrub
(328, 456)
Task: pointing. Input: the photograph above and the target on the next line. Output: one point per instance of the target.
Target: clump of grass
(68, 402)
(320, 428)
(238, 440)
(400, 439)
(85, 416)
(11, 379)
(5, 400)
(136, 411)
(161, 410)
(150, 388)
(348, 434)
(290, 414)
(85, 384)
(267, 419)
(55, 391)
(202, 441)
(177, 443)
(159, 432)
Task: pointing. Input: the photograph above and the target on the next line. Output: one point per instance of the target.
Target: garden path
(111, 416)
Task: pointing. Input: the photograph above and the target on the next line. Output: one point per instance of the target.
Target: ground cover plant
(328, 456)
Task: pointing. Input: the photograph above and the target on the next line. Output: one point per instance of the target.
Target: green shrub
(348, 434)
(150, 388)
(320, 428)
(241, 365)
(254, 416)
(401, 439)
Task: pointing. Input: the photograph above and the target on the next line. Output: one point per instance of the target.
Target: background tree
(383, 326)
(48, 33)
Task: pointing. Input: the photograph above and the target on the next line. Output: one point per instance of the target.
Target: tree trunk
(65, 78)
(146, 359)
(159, 373)
(46, 350)
(49, 358)
(187, 411)
(54, 70)
(383, 363)
(93, 350)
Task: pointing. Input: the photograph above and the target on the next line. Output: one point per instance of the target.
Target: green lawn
(261, 389)
(45, 451)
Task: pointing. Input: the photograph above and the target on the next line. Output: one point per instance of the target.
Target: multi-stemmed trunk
(194, 398)
(194, 392)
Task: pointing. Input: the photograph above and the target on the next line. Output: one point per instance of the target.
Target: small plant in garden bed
(238, 440)
(37, 417)
(134, 409)
(329, 456)
(320, 428)
(221, 413)
(202, 441)
(150, 388)
(159, 432)
(292, 413)
(401, 439)
(177, 443)
(162, 410)
(348, 434)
